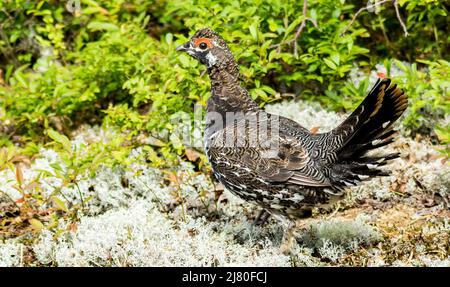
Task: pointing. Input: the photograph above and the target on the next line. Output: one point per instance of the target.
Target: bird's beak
(184, 47)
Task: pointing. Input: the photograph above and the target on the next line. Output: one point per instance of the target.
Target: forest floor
(142, 216)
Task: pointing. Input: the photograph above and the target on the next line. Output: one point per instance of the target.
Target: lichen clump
(139, 215)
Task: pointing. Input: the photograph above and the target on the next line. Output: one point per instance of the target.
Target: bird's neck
(227, 94)
(225, 70)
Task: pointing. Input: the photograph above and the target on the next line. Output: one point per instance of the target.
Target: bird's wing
(276, 158)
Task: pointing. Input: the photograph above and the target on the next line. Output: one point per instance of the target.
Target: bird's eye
(203, 45)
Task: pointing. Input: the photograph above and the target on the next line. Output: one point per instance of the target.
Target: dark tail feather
(367, 128)
(373, 118)
(364, 168)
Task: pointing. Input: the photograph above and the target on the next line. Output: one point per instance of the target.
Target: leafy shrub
(114, 62)
(430, 97)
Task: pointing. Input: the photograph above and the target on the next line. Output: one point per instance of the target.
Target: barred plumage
(274, 161)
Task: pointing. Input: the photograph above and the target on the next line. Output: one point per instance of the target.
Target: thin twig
(302, 25)
(299, 30)
(362, 10)
(397, 12)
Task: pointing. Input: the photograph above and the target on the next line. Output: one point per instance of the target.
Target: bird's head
(208, 47)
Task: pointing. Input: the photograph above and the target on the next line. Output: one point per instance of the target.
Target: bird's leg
(289, 236)
(261, 218)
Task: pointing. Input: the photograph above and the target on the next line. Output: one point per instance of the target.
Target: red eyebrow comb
(203, 40)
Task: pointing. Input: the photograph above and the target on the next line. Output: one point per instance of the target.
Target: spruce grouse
(275, 162)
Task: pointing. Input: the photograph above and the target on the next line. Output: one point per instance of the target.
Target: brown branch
(362, 10)
(397, 12)
(394, 2)
(302, 25)
(299, 30)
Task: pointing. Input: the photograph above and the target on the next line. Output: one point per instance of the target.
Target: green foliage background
(114, 63)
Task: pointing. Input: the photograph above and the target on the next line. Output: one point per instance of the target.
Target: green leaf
(254, 30)
(330, 63)
(184, 60)
(272, 25)
(169, 38)
(98, 26)
(269, 90)
(294, 24)
(335, 58)
(61, 139)
(36, 224)
(60, 204)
